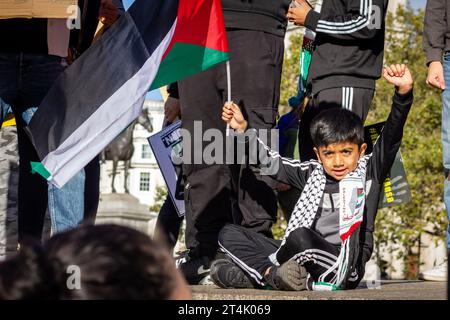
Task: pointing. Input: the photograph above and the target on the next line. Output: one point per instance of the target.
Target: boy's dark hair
(336, 125)
(114, 262)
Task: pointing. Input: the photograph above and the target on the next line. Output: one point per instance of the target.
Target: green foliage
(291, 69)
(160, 197)
(421, 147)
(280, 226)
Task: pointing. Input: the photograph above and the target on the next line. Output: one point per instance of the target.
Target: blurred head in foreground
(93, 262)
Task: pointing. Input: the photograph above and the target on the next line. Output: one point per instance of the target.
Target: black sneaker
(226, 274)
(194, 270)
(290, 276)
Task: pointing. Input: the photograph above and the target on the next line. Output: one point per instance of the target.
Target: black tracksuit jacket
(349, 43)
(260, 15)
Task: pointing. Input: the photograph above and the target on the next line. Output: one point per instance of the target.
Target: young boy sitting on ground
(329, 237)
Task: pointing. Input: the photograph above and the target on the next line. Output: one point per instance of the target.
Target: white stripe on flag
(106, 123)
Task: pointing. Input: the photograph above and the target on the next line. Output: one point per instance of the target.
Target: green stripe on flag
(174, 66)
(37, 167)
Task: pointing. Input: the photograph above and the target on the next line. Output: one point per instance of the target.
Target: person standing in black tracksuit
(347, 60)
(311, 247)
(255, 32)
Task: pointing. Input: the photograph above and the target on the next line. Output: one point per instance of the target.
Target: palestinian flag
(155, 43)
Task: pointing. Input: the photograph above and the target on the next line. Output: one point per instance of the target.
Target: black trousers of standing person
(24, 81)
(357, 100)
(91, 190)
(219, 193)
(251, 252)
(168, 224)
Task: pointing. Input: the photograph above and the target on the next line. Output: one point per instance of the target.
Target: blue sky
(417, 4)
(127, 3)
(154, 95)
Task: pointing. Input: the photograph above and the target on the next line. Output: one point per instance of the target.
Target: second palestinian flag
(155, 43)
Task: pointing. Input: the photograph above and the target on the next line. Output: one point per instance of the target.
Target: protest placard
(165, 145)
(37, 8)
(395, 188)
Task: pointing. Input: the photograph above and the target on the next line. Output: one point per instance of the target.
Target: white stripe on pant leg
(302, 257)
(305, 257)
(347, 97)
(350, 105)
(252, 272)
(309, 255)
(325, 253)
(343, 98)
(347, 94)
(320, 255)
(324, 265)
(317, 254)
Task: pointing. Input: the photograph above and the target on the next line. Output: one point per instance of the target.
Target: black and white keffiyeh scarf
(352, 198)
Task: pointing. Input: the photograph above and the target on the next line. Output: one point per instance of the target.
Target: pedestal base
(126, 210)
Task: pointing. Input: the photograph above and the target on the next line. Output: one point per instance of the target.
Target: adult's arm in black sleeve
(363, 19)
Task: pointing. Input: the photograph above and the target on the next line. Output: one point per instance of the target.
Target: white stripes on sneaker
(347, 98)
(346, 27)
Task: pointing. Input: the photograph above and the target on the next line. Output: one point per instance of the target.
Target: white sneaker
(438, 273)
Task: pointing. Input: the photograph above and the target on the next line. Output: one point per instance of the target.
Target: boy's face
(339, 159)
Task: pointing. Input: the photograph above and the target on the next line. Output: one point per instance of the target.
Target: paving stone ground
(388, 290)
